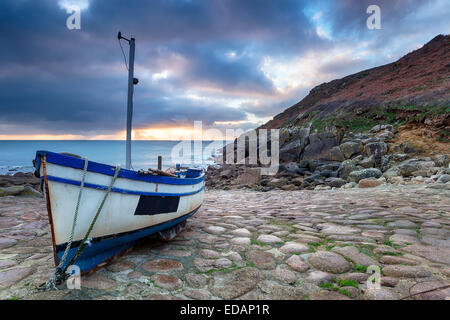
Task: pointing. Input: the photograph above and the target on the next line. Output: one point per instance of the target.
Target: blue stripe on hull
(119, 190)
(77, 163)
(102, 249)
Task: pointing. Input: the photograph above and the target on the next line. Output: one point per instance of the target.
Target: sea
(17, 155)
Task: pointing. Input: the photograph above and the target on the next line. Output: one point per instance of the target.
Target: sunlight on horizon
(160, 134)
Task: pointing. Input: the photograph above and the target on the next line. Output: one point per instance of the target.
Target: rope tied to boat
(75, 217)
(60, 273)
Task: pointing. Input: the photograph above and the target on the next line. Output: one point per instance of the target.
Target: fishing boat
(98, 210)
(136, 205)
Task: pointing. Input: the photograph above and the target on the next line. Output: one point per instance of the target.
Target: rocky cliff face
(368, 125)
(411, 94)
(419, 79)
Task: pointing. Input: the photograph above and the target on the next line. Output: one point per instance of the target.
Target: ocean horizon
(17, 155)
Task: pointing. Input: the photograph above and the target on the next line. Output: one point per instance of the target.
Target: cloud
(217, 61)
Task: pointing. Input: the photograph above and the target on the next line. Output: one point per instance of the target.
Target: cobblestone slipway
(255, 245)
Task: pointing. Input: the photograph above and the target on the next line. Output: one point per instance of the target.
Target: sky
(232, 64)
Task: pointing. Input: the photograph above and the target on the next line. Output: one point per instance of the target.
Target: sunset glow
(61, 84)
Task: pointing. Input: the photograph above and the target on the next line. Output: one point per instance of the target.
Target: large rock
(346, 168)
(291, 167)
(335, 182)
(441, 160)
(250, 176)
(367, 162)
(407, 167)
(350, 148)
(369, 183)
(320, 145)
(377, 149)
(30, 192)
(356, 176)
(292, 149)
(11, 191)
(335, 154)
(329, 262)
(444, 178)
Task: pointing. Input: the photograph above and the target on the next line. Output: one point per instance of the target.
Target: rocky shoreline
(20, 184)
(329, 160)
(242, 244)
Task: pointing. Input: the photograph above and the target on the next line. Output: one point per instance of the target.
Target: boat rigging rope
(60, 273)
(69, 243)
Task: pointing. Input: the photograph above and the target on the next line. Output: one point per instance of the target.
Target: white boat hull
(133, 208)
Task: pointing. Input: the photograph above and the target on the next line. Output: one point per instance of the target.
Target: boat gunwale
(101, 168)
(120, 190)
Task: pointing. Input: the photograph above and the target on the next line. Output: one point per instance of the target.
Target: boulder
(380, 127)
(11, 191)
(335, 154)
(406, 170)
(291, 167)
(367, 162)
(389, 159)
(391, 173)
(346, 168)
(335, 182)
(349, 185)
(292, 149)
(30, 192)
(320, 145)
(303, 164)
(369, 183)
(350, 148)
(444, 178)
(377, 149)
(277, 182)
(250, 176)
(297, 181)
(441, 160)
(356, 176)
(326, 173)
(226, 173)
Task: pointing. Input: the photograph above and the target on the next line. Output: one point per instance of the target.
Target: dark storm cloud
(404, 23)
(47, 78)
(55, 80)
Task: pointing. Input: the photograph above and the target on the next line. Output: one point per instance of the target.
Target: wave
(11, 170)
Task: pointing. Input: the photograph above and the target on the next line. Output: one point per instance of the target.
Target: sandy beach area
(245, 244)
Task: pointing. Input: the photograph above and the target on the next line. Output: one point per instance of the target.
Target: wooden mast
(131, 81)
